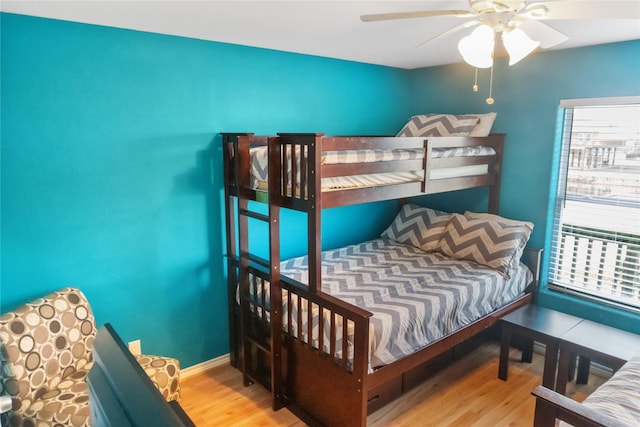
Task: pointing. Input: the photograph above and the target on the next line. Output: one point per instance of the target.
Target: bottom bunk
(387, 312)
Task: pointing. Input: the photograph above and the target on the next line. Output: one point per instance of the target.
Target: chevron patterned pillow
(498, 218)
(439, 125)
(418, 226)
(487, 241)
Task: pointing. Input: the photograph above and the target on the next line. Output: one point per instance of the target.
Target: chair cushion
(47, 419)
(66, 405)
(164, 373)
(619, 397)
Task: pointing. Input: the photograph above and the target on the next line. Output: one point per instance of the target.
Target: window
(595, 247)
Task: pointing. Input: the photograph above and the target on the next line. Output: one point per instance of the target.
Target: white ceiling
(323, 28)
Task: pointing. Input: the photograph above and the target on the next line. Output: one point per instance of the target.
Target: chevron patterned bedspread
(259, 165)
(415, 297)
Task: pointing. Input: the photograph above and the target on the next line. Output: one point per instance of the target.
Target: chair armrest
(551, 406)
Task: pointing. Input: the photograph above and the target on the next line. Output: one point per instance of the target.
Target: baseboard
(205, 366)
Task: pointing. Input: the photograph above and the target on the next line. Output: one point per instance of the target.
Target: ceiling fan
(517, 21)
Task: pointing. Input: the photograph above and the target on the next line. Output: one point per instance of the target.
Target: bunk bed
(288, 331)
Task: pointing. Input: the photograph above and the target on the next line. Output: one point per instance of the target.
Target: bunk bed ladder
(253, 301)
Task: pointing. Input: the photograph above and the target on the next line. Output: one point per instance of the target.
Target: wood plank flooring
(466, 393)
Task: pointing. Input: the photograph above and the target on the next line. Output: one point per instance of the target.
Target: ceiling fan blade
(545, 34)
(467, 24)
(418, 14)
(588, 9)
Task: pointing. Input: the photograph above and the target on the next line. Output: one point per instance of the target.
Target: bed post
(496, 169)
(314, 217)
(275, 201)
(241, 180)
(230, 164)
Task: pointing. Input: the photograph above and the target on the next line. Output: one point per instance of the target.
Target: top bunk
(309, 171)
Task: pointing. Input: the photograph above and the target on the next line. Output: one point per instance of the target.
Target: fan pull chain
(490, 98)
(475, 83)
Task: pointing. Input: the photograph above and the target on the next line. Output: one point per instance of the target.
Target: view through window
(596, 231)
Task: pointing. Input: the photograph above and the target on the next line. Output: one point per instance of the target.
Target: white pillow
(483, 128)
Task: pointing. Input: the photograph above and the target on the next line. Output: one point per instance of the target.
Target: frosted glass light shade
(518, 44)
(477, 48)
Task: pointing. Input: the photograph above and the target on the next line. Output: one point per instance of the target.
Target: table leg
(550, 363)
(572, 367)
(563, 369)
(527, 350)
(505, 344)
(584, 364)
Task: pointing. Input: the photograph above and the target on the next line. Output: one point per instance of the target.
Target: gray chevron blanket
(415, 297)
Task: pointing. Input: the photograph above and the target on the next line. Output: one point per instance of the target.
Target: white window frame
(564, 239)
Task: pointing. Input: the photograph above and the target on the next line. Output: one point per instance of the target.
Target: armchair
(46, 354)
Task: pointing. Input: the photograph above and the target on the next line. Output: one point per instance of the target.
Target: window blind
(596, 224)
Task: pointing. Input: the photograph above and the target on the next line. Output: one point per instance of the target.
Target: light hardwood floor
(466, 393)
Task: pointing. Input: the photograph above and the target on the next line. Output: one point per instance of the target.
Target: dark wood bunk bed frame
(313, 378)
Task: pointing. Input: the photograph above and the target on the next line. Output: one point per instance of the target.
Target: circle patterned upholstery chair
(45, 356)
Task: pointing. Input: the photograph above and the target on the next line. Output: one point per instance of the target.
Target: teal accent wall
(111, 168)
(107, 140)
(527, 98)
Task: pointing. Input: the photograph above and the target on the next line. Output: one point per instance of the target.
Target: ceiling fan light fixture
(477, 48)
(518, 44)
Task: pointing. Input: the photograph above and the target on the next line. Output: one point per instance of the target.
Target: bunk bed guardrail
(297, 157)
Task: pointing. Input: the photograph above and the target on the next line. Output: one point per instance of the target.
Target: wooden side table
(536, 324)
(590, 340)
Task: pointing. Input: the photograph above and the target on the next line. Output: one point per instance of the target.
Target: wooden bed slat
(350, 169)
(332, 337)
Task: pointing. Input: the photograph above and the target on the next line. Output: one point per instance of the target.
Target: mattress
(259, 166)
(415, 297)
